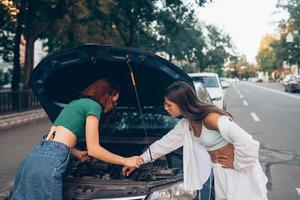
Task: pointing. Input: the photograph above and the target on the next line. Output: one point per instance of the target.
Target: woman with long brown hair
(40, 174)
(210, 138)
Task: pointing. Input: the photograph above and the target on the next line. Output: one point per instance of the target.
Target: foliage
(5, 77)
(83, 23)
(219, 49)
(7, 25)
(267, 59)
(240, 67)
(289, 50)
(178, 34)
(143, 24)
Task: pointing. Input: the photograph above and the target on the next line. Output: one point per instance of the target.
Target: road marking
(241, 96)
(298, 190)
(254, 116)
(245, 103)
(237, 91)
(275, 91)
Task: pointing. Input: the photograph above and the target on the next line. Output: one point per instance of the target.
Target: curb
(15, 119)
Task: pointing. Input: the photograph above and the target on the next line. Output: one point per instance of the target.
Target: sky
(246, 21)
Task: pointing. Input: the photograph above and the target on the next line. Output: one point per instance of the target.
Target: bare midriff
(62, 135)
(227, 150)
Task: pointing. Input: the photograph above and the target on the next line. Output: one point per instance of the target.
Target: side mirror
(216, 98)
(224, 84)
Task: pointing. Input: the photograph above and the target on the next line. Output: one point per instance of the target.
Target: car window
(208, 81)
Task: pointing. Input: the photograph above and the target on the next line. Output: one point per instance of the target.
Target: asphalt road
(264, 110)
(272, 116)
(15, 144)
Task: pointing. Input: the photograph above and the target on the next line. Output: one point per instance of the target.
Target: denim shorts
(39, 176)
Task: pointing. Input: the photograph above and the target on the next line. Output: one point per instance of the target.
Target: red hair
(101, 91)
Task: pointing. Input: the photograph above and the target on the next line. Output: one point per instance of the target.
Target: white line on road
(254, 116)
(275, 91)
(245, 103)
(241, 96)
(237, 91)
(298, 190)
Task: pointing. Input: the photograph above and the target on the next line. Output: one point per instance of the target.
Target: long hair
(186, 99)
(101, 91)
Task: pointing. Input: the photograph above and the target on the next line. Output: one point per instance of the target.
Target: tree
(10, 39)
(131, 19)
(290, 50)
(219, 49)
(140, 24)
(7, 25)
(266, 58)
(176, 23)
(31, 19)
(240, 67)
(83, 23)
(39, 16)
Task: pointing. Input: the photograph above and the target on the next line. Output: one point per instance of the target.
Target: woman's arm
(246, 149)
(168, 143)
(96, 151)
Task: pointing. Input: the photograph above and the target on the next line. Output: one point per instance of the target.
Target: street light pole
(290, 39)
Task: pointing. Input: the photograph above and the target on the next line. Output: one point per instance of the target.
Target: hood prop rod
(139, 106)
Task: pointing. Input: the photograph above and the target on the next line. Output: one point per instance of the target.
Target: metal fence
(18, 101)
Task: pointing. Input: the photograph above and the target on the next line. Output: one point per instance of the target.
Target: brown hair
(101, 91)
(186, 99)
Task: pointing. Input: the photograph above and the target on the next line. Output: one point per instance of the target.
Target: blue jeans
(207, 192)
(39, 176)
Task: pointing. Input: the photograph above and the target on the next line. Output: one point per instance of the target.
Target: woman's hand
(127, 170)
(134, 161)
(226, 161)
(223, 156)
(82, 156)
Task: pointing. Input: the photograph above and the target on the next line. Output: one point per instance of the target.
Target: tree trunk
(16, 73)
(29, 48)
(17, 66)
(29, 59)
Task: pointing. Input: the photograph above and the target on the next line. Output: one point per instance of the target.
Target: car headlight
(173, 192)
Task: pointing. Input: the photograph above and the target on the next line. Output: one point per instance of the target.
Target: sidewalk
(20, 118)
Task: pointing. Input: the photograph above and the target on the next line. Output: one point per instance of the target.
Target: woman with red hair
(40, 174)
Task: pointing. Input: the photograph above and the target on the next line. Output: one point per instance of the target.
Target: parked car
(59, 78)
(213, 85)
(291, 83)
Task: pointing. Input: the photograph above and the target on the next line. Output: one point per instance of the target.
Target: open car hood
(59, 78)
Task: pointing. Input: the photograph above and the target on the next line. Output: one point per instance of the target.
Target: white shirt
(196, 160)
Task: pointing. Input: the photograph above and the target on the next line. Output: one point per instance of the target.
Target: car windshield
(208, 81)
(127, 120)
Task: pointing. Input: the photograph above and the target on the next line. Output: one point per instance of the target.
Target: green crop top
(73, 116)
